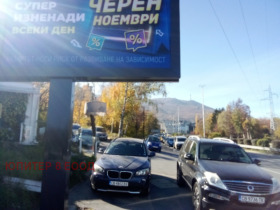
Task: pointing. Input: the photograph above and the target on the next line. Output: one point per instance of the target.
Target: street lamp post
(203, 118)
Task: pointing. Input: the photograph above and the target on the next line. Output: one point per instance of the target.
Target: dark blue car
(170, 141)
(124, 167)
(153, 143)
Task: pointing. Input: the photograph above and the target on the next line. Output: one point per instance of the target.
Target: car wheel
(146, 190)
(180, 181)
(196, 197)
(159, 150)
(92, 186)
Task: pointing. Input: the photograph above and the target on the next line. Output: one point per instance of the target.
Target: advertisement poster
(102, 40)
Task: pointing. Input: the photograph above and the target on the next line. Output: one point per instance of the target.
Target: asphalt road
(165, 194)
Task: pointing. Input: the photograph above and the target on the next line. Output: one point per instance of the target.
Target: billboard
(90, 40)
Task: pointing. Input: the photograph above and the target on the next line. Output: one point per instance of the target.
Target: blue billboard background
(89, 41)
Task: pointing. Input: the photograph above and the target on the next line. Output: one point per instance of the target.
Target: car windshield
(181, 139)
(223, 152)
(100, 129)
(154, 139)
(170, 139)
(87, 132)
(126, 148)
(75, 127)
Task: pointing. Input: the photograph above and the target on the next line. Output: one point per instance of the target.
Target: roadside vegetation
(235, 122)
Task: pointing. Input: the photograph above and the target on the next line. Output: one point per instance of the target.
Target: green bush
(276, 144)
(248, 141)
(263, 142)
(77, 176)
(240, 141)
(15, 197)
(254, 142)
(214, 134)
(112, 136)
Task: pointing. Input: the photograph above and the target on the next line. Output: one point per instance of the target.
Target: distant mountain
(168, 109)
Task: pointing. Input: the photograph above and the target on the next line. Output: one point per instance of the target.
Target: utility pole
(203, 119)
(178, 125)
(272, 115)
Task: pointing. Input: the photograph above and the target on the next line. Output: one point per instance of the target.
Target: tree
(224, 122)
(13, 114)
(240, 112)
(124, 102)
(198, 126)
(277, 130)
(43, 103)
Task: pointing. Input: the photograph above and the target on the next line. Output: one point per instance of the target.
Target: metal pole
(93, 127)
(203, 118)
(143, 122)
(54, 193)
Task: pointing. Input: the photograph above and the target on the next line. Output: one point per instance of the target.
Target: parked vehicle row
(85, 135)
(219, 173)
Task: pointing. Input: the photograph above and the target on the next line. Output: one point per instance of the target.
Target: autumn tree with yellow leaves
(126, 107)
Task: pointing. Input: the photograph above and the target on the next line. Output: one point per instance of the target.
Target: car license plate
(251, 199)
(155, 146)
(119, 184)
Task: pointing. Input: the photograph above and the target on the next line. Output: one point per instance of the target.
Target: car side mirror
(188, 156)
(151, 154)
(257, 162)
(100, 150)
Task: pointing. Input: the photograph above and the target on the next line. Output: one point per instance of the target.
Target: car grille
(119, 174)
(248, 187)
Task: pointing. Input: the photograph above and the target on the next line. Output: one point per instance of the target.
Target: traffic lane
(164, 163)
(165, 194)
(269, 163)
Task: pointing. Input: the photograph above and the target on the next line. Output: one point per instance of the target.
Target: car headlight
(276, 186)
(98, 169)
(149, 143)
(214, 180)
(143, 172)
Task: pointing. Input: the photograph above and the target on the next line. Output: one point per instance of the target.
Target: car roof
(180, 137)
(224, 140)
(214, 141)
(129, 140)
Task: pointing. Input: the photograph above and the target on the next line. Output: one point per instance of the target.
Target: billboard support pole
(54, 193)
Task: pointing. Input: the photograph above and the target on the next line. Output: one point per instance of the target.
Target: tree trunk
(120, 134)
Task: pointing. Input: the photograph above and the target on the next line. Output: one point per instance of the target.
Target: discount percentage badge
(135, 39)
(95, 42)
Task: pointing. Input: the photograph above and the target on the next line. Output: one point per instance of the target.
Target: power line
(230, 45)
(249, 39)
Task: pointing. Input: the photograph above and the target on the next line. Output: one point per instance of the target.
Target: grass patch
(15, 197)
(11, 152)
(78, 176)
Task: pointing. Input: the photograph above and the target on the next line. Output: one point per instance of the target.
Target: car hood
(87, 138)
(100, 133)
(236, 171)
(123, 162)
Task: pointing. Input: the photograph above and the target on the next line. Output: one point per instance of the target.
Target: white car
(179, 141)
